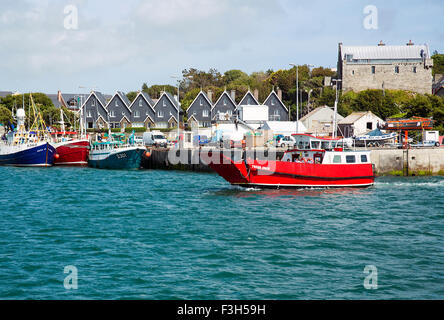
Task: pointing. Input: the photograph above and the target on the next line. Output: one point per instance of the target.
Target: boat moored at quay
(116, 154)
(315, 163)
(27, 148)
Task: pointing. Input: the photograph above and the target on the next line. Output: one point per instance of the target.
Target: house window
(136, 114)
(201, 102)
(273, 102)
(230, 112)
(225, 101)
(117, 125)
(140, 102)
(160, 114)
(164, 103)
(205, 113)
(89, 115)
(93, 102)
(414, 69)
(370, 125)
(90, 125)
(117, 103)
(249, 101)
(276, 113)
(396, 69)
(373, 69)
(112, 113)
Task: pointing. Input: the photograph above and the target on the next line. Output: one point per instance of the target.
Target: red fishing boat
(72, 148)
(71, 152)
(314, 162)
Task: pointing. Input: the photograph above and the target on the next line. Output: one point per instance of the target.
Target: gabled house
(224, 107)
(358, 123)
(119, 112)
(320, 121)
(277, 111)
(142, 111)
(94, 111)
(166, 111)
(199, 110)
(249, 100)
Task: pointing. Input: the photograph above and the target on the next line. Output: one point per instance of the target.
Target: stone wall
(358, 77)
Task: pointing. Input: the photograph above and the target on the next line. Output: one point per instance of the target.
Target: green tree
(156, 90)
(5, 115)
(438, 63)
(375, 101)
(132, 95)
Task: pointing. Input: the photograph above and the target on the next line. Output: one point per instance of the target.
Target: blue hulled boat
(27, 155)
(27, 148)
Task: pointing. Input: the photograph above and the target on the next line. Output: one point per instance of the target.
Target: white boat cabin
(310, 149)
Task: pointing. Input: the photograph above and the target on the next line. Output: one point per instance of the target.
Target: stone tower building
(407, 67)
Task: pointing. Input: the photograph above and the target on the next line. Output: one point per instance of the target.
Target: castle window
(353, 72)
(414, 69)
(397, 69)
(373, 69)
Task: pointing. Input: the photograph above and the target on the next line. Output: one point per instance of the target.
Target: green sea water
(180, 235)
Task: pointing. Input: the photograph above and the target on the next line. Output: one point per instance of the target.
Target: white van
(155, 138)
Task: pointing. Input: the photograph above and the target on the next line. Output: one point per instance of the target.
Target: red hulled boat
(71, 152)
(315, 162)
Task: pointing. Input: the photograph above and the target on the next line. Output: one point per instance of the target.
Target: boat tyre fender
(437, 144)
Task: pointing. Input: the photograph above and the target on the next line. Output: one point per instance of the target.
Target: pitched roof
(147, 98)
(386, 52)
(229, 97)
(355, 116)
(245, 97)
(124, 98)
(205, 96)
(100, 97)
(174, 101)
(318, 109)
(277, 97)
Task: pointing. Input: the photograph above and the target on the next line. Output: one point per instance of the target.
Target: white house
(319, 122)
(358, 123)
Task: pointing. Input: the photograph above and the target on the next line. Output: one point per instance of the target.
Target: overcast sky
(118, 44)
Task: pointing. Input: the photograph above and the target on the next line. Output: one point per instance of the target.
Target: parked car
(201, 140)
(286, 141)
(155, 138)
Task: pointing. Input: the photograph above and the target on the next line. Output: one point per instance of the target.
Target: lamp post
(297, 97)
(336, 109)
(178, 106)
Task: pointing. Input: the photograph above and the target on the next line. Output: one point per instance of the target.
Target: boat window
(315, 144)
(325, 145)
(337, 159)
(364, 158)
(350, 159)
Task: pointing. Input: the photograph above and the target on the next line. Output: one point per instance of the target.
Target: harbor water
(148, 234)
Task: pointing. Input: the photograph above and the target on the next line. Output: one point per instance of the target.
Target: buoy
(147, 154)
(56, 156)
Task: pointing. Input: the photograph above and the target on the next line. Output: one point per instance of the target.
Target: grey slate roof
(386, 52)
(124, 98)
(5, 93)
(176, 104)
(148, 98)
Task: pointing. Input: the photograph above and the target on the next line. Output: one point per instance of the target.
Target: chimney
(175, 98)
(410, 43)
(233, 95)
(256, 94)
(381, 44)
(210, 95)
(279, 93)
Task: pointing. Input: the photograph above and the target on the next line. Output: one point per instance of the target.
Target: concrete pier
(413, 162)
